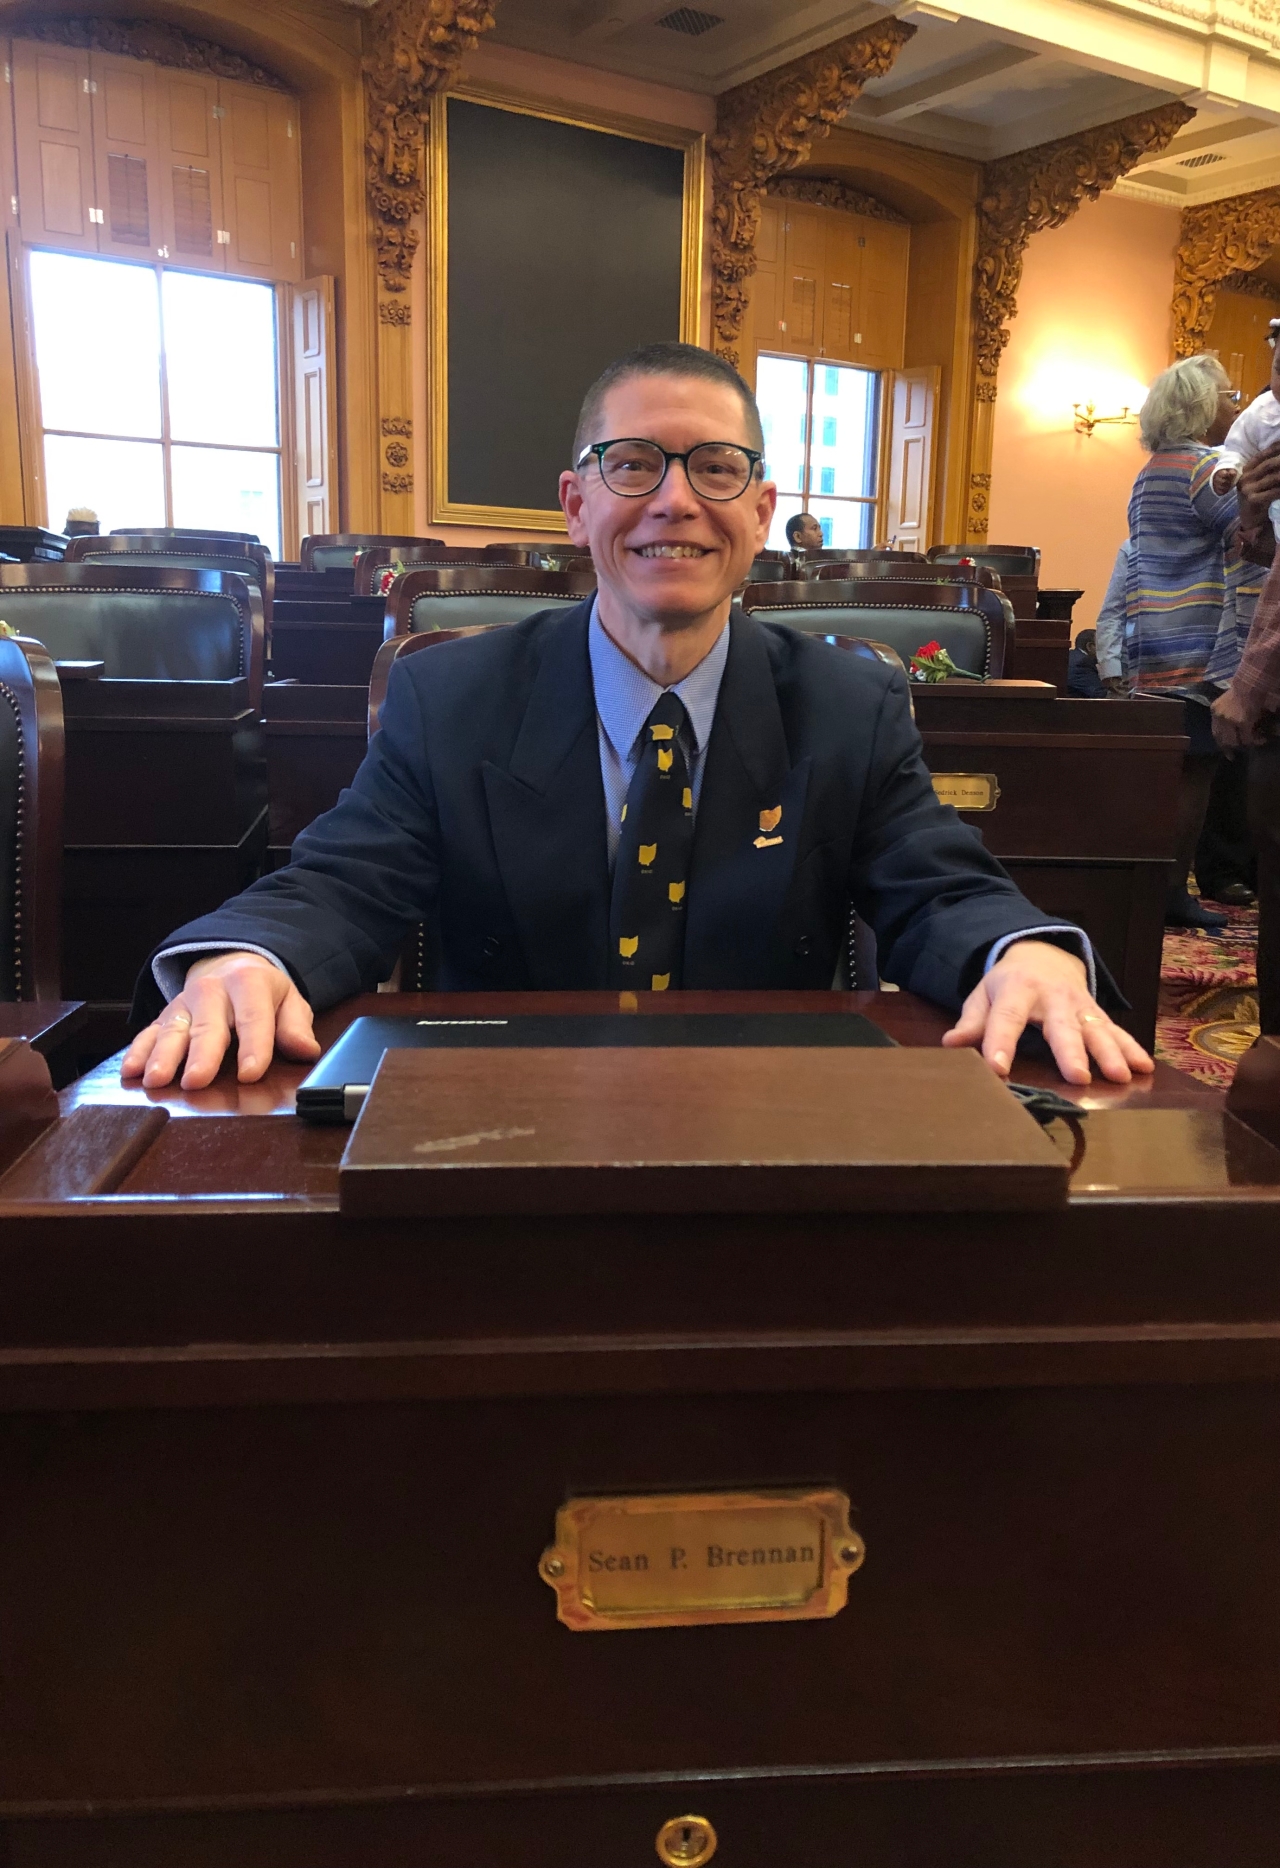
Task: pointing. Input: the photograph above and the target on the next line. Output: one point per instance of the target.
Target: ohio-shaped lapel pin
(769, 820)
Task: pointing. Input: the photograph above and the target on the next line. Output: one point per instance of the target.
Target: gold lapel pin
(769, 820)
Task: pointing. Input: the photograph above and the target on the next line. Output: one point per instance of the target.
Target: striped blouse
(1176, 583)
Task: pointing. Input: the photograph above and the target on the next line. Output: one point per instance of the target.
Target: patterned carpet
(1208, 1014)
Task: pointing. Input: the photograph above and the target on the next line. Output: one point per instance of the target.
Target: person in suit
(649, 789)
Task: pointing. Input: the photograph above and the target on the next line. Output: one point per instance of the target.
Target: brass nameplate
(673, 1560)
(967, 791)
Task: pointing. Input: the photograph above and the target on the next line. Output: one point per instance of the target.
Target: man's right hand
(240, 992)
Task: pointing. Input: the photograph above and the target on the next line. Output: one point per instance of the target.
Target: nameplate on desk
(674, 1560)
(967, 791)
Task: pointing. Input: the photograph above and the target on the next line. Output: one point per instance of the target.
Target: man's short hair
(664, 360)
(794, 523)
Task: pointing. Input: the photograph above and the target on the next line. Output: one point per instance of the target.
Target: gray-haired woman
(1176, 585)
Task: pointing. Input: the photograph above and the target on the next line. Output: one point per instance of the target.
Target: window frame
(32, 456)
(812, 365)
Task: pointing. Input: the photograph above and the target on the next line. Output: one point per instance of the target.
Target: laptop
(337, 1087)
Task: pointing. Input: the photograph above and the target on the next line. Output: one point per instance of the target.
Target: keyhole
(686, 1842)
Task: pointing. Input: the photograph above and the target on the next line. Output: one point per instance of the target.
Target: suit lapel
(546, 812)
(743, 856)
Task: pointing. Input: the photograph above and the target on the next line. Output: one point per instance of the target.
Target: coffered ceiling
(1012, 74)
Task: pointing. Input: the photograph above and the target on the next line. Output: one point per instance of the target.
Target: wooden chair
(973, 624)
(177, 531)
(893, 571)
(166, 799)
(32, 776)
(860, 554)
(452, 596)
(142, 622)
(192, 551)
(1008, 560)
(327, 551)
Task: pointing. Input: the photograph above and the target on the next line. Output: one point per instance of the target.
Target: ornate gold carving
(765, 128)
(1043, 187)
(396, 454)
(146, 38)
(395, 311)
(412, 49)
(821, 192)
(397, 483)
(397, 425)
(1219, 239)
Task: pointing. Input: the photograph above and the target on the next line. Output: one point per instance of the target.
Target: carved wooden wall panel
(765, 128)
(1218, 240)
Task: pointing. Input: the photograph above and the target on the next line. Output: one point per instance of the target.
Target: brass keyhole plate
(686, 1842)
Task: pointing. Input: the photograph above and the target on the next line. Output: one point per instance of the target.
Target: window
(836, 477)
(161, 408)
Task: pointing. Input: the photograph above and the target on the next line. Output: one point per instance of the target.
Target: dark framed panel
(559, 240)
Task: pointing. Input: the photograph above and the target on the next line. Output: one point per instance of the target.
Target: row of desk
(275, 1481)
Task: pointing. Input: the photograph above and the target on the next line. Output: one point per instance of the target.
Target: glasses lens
(717, 470)
(631, 467)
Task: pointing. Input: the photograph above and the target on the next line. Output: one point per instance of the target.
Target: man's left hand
(1035, 983)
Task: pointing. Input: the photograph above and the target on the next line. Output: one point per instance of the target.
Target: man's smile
(671, 551)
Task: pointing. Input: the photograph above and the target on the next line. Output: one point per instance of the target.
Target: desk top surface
(1166, 1136)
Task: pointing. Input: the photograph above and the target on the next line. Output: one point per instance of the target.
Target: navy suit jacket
(481, 802)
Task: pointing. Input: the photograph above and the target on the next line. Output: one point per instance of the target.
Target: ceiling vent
(1201, 162)
(690, 21)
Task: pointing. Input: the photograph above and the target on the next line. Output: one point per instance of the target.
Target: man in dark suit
(647, 790)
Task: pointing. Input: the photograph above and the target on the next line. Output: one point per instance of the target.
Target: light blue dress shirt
(625, 696)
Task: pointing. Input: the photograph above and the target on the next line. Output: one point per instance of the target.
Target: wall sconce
(1087, 419)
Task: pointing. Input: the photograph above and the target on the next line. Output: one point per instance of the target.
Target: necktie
(651, 871)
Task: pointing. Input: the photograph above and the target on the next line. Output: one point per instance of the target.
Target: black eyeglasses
(714, 469)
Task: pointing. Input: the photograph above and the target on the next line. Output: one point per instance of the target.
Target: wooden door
(315, 401)
(803, 249)
(57, 199)
(912, 427)
(840, 337)
(194, 230)
(261, 190)
(127, 155)
(882, 320)
(762, 326)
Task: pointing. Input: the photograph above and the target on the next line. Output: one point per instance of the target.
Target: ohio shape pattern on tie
(651, 871)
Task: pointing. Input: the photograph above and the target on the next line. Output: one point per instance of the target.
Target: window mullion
(166, 448)
(808, 434)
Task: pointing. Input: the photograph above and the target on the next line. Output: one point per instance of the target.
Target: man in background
(804, 533)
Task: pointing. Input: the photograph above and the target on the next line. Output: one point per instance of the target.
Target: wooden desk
(274, 1484)
(44, 1024)
(1085, 820)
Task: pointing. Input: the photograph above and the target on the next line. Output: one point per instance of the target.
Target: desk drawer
(265, 1602)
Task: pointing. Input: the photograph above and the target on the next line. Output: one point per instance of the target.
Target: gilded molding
(821, 192)
(394, 311)
(397, 483)
(412, 49)
(765, 128)
(1039, 188)
(397, 425)
(1218, 240)
(151, 39)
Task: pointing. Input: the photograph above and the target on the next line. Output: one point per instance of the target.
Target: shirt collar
(625, 695)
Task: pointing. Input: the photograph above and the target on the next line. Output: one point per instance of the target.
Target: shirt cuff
(170, 975)
(1083, 952)
(1109, 668)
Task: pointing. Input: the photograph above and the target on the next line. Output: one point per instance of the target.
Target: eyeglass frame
(599, 448)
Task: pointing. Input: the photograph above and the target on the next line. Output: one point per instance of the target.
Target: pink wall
(1093, 324)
